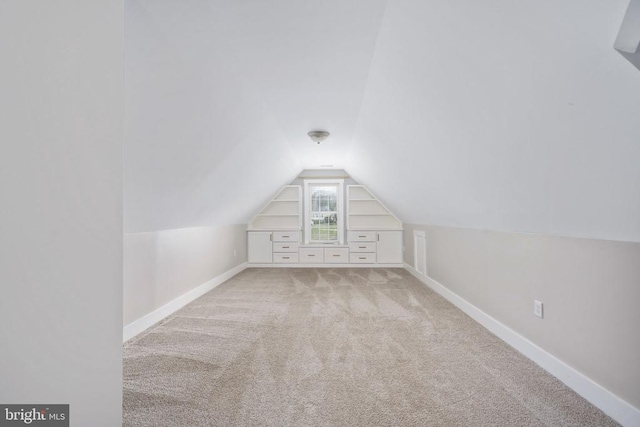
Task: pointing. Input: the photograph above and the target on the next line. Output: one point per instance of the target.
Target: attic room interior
(380, 212)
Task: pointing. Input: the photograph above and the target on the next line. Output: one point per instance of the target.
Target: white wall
(164, 265)
(512, 116)
(61, 216)
(492, 121)
(589, 289)
(220, 96)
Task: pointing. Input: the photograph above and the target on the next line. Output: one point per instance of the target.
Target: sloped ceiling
(220, 96)
(516, 116)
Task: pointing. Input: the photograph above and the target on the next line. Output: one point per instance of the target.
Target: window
(323, 211)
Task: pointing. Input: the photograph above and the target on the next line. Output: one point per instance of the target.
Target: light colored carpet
(335, 347)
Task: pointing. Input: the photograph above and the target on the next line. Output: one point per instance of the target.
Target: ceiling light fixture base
(318, 136)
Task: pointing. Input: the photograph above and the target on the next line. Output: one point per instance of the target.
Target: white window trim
(307, 205)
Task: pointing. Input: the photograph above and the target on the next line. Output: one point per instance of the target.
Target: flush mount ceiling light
(318, 136)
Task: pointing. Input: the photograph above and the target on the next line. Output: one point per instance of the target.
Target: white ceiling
(221, 95)
(515, 116)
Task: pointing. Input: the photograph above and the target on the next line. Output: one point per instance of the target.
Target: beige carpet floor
(335, 347)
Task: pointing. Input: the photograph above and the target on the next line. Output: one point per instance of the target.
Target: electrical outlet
(537, 308)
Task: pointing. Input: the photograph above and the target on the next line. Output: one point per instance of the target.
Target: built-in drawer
(286, 236)
(361, 236)
(285, 258)
(311, 255)
(336, 255)
(360, 247)
(285, 247)
(362, 258)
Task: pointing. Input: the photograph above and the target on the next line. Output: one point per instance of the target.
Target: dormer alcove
(325, 218)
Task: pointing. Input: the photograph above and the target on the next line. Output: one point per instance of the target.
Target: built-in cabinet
(379, 247)
(374, 234)
(260, 247)
(389, 247)
(336, 255)
(285, 246)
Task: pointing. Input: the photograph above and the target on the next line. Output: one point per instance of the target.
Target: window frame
(316, 182)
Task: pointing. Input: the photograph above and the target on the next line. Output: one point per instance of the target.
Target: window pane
(324, 198)
(323, 213)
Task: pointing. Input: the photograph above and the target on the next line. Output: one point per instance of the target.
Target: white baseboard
(137, 326)
(618, 409)
(325, 265)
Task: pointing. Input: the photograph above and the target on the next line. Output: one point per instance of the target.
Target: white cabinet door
(389, 247)
(260, 250)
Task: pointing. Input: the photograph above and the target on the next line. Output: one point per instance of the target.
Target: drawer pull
(285, 247)
(362, 247)
(362, 236)
(362, 257)
(311, 255)
(285, 257)
(285, 237)
(337, 255)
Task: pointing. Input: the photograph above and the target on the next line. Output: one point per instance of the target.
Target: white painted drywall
(162, 266)
(61, 216)
(220, 96)
(589, 289)
(513, 116)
